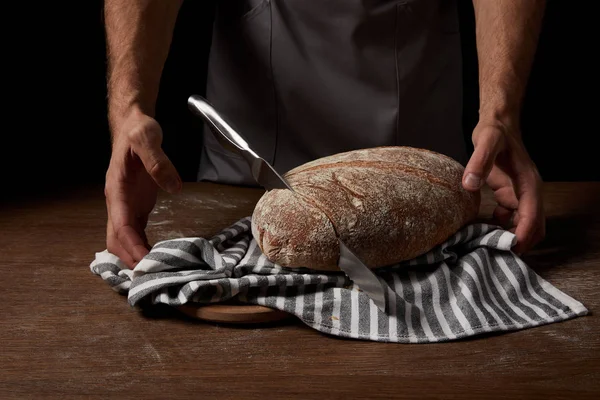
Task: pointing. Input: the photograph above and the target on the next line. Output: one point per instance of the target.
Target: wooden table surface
(65, 333)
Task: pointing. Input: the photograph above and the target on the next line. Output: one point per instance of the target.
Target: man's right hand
(138, 167)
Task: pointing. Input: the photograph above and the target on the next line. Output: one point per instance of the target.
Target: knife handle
(224, 133)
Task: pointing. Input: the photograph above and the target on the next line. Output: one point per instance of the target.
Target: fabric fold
(470, 284)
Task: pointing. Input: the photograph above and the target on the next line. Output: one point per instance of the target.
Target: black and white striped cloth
(469, 285)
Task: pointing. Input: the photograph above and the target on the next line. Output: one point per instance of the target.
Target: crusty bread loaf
(388, 204)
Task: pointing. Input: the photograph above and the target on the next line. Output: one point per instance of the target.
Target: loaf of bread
(388, 204)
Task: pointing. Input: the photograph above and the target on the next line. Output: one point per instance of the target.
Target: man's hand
(138, 166)
(506, 33)
(501, 160)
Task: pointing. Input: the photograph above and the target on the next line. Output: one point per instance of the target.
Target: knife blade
(262, 171)
(362, 276)
(269, 178)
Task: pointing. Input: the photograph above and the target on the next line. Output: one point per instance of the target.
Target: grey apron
(303, 79)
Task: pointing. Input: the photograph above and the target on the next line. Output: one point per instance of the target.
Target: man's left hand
(501, 160)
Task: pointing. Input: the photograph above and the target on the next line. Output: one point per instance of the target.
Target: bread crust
(388, 204)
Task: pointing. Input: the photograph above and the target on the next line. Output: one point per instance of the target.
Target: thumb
(488, 144)
(160, 168)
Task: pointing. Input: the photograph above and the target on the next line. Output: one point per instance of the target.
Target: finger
(504, 217)
(482, 160)
(114, 247)
(503, 188)
(147, 146)
(124, 227)
(142, 223)
(132, 241)
(498, 179)
(506, 197)
(161, 169)
(515, 218)
(530, 222)
(536, 237)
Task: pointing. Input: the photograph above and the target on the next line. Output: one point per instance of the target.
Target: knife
(267, 177)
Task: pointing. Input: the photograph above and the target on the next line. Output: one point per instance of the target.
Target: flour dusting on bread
(388, 204)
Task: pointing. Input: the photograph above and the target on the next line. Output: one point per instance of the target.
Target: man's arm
(138, 37)
(506, 34)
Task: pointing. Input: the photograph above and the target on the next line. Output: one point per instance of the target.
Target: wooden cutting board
(234, 313)
(182, 211)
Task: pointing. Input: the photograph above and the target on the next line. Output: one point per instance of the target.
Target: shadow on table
(163, 311)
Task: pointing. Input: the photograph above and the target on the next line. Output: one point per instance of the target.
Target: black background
(55, 132)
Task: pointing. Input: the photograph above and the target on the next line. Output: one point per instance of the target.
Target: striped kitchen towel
(469, 285)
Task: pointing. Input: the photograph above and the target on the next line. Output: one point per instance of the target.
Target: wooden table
(65, 333)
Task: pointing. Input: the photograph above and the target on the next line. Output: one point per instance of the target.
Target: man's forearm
(138, 35)
(507, 34)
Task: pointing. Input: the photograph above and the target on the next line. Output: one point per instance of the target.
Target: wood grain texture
(65, 334)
